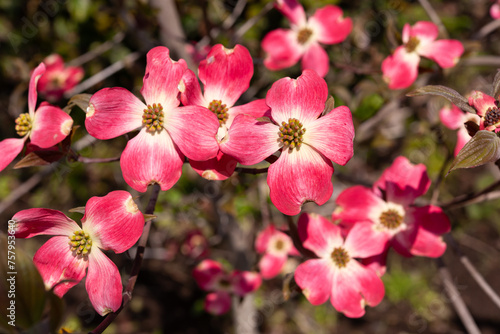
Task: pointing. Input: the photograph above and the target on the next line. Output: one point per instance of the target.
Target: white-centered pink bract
(225, 74)
(44, 127)
(337, 274)
(285, 47)
(275, 246)
(308, 143)
(388, 208)
(211, 276)
(400, 69)
(167, 132)
(112, 222)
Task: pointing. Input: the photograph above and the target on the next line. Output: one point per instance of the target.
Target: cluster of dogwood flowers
(214, 134)
(351, 250)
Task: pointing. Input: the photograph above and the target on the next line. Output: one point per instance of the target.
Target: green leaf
(448, 93)
(484, 147)
(24, 282)
(496, 85)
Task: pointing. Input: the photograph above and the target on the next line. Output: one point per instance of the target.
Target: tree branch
(456, 300)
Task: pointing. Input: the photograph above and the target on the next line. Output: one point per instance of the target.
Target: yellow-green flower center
(279, 245)
(412, 44)
(391, 219)
(304, 35)
(492, 117)
(219, 109)
(291, 134)
(80, 243)
(340, 257)
(23, 124)
(153, 117)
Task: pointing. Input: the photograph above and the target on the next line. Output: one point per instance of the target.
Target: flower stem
(253, 171)
(136, 267)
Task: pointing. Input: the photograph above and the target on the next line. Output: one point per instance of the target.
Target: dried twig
(456, 300)
(251, 22)
(488, 290)
(107, 72)
(434, 17)
(487, 29)
(486, 194)
(79, 61)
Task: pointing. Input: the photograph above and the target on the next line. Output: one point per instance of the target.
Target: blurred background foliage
(229, 213)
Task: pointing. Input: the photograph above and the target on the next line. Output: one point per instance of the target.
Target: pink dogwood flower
(495, 10)
(487, 110)
(112, 222)
(44, 127)
(400, 69)
(58, 79)
(336, 274)
(167, 132)
(211, 276)
(225, 75)
(454, 118)
(307, 142)
(285, 47)
(276, 246)
(389, 209)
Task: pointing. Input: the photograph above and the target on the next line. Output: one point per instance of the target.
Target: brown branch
(136, 267)
(253, 171)
(487, 29)
(484, 195)
(456, 300)
(96, 160)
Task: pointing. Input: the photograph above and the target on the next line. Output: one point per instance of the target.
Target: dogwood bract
(307, 142)
(45, 127)
(336, 274)
(167, 132)
(284, 47)
(112, 222)
(58, 79)
(389, 209)
(211, 276)
(400, 69)
(276, 246)
(225, 75)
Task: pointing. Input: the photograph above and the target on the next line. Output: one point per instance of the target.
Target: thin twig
(473, 272)
(481, 61)
(456, 300)
(107, 72)
(484, 195)
(96, 160)
(250, 23)
(264, 207)
(136, 267)
(434, 17)
(441, 175)
(38, 177)
(79, 61)
(253, 171)
(487, 29)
